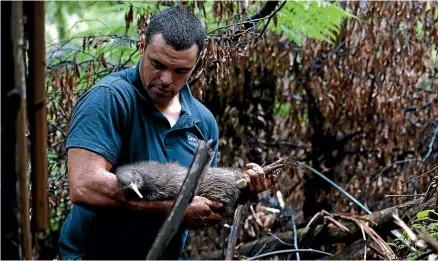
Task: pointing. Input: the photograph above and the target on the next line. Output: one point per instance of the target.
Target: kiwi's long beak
(135, 188)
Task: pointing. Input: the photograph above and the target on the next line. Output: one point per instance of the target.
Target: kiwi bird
(156, 181)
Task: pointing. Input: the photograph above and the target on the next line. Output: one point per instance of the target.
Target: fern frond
(316, 19)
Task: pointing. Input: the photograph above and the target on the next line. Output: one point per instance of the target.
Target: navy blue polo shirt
(116, 120)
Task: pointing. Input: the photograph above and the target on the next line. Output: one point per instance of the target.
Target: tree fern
(297, 19)
(316, 19)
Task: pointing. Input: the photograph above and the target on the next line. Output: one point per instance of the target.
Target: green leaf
(281, 109)
(417, 226)
(432, 226)
(318, 20)
(423, 214)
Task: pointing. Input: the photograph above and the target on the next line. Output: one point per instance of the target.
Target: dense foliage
(351, 90)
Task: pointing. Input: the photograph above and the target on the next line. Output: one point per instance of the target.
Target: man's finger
(213, 218)
(196, 198)
(207, 212)
(212, 204)
(256, 167)
(248, 181)
(257, 176)
(254, 178)
(259, 169)
(261, 177)
(262, 181)
(250, 165)
(251, 173)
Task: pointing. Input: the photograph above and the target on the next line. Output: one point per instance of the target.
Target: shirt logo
(192, 139)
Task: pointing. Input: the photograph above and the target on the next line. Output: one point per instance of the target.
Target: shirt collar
(187, 100)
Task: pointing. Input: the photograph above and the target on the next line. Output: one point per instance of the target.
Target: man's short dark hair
(180, 29)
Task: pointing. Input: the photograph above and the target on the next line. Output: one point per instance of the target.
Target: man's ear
(198, 62)
(141, 44)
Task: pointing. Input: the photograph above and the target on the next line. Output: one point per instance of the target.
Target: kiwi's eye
(136, 176)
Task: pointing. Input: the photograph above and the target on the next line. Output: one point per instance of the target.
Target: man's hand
(200, 213)
(255, 178)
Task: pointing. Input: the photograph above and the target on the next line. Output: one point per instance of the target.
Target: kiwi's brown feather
(161, 181)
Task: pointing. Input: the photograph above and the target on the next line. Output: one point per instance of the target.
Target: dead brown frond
(381, 245)
(338, 224)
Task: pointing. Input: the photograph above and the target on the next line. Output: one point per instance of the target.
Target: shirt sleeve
(97, 123)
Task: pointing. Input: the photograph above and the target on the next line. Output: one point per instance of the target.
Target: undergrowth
(425, 221)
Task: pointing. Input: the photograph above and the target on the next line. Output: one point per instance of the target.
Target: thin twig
(418, 195)
(294, 228)
(317, 215)
(280, 240)
(235, 24)
(54, 125)
(299, 163)
(392, 165)
(421, 174)
(365, 253)
(269, 20)
(364, 218)
(334, 221)
(288, 251)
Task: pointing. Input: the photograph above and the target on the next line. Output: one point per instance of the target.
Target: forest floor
(406, 231)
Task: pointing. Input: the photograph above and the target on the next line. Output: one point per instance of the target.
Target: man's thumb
(213, 204)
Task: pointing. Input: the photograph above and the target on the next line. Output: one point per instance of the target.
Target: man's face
(164, 71)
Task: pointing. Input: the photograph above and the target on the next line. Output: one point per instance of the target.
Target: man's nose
(166, 77)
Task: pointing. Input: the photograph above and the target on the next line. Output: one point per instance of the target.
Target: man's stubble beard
(153, 97)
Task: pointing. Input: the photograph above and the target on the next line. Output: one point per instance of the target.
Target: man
(142, 113)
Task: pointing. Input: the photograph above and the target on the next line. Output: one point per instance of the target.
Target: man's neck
(171, 110)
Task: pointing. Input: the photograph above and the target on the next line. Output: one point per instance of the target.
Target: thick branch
(264, 11)
(37, 114)
(202, 159)
(21, 138)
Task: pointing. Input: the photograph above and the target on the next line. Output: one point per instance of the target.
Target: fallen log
(381, 221)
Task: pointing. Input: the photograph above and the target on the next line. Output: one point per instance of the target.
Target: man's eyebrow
(156, 61)
(160, 63)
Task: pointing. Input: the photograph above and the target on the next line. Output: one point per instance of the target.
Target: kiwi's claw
(135, 188)
(241, 183)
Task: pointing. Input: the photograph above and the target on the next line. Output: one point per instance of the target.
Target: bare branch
(269, 20)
